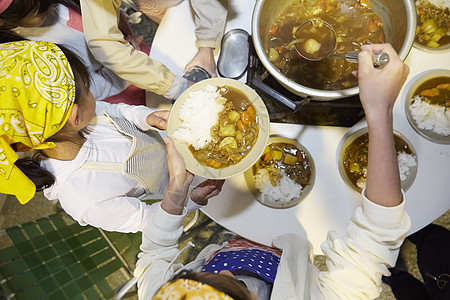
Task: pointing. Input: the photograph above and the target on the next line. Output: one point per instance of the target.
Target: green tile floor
(48, 247)
(54, 257)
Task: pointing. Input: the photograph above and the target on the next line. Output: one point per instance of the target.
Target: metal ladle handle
(380, 59)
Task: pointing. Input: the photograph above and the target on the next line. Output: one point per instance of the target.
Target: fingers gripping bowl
(220, 127)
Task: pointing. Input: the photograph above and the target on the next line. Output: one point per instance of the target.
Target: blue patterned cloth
(261, 262)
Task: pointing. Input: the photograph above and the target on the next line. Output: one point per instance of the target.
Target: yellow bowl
(250, 177)
(410, 88)
(350, 137)
(192, 165)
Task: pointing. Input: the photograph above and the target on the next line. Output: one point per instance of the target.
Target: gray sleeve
(210, 17)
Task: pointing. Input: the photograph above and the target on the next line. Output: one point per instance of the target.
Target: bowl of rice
(284, 175)
(353, 155)
(220, 127)
(427, 105)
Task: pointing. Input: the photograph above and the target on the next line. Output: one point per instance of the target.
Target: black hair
(30, 166)
(19, 9)
(7, 36)
(234, 293)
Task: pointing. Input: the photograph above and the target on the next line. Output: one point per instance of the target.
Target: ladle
(315, 40)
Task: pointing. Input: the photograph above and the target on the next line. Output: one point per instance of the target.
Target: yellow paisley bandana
(189, 289)
(37, 91)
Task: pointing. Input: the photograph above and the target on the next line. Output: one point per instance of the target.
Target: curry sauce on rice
(282, 172)
(430, 106)
(219, 124)
(356, 157)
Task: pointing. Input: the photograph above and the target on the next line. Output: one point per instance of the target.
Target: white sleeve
(159, 248)
(356, 261)
(121, 214)
(192, 206)
(100, 207)
(137, 114)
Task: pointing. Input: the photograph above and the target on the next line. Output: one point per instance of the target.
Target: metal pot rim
(316, 94)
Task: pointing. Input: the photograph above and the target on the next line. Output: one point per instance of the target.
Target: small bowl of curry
(353, 157)
(433, 31)
(427, 105)
(284, 175)
(220, 126)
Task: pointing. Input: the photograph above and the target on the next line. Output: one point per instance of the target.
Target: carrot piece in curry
(273, 30)
(427, 93)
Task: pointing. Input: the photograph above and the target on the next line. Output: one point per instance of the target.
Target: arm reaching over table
(180, 180)
(164, 227)
(357, 260)
(109, 46)
(379, 89)
(210, 17)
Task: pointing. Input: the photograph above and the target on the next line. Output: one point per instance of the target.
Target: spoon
(315, 40)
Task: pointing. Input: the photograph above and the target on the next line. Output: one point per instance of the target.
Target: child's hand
(205, 59)
(206, 190)
(178, 175)
(379, 88)
(180, 179)
(158, 119)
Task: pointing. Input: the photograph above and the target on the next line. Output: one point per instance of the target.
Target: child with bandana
(98, 159)
(356, 261)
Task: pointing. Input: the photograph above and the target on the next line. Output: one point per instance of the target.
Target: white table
(331, 203)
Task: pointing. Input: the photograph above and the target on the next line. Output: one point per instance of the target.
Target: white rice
(285, 191)
(361, 183)
(430, 116)
(405, 162)
(198, 114)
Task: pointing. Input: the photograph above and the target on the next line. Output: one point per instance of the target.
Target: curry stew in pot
(235, 135)
(355, 25)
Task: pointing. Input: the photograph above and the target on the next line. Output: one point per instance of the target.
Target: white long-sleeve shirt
(106, 199)
(355, 260)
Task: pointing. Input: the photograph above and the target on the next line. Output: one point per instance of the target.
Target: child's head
(28, 13)
(25, 13)
(39, 85)
(222, 286)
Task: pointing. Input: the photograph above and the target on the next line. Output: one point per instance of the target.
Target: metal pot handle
(256, 81)
(294, 106)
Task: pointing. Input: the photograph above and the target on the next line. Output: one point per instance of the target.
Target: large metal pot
(399, 19)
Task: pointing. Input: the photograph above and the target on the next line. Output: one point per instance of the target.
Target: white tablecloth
(331, 203)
